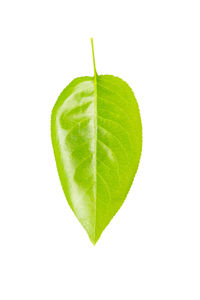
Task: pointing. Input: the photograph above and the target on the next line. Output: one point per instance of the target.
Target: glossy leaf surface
(97, 140)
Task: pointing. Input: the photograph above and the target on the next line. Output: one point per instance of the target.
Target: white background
(151, 249)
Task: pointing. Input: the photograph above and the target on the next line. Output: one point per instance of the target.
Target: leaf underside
(97, 140)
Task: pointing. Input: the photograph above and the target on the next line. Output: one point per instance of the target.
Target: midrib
(95, 139)
(95, 149)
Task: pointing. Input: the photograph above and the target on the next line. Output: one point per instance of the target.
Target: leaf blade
(97, 140)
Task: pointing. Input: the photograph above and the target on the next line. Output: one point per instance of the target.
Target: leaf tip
(93, 238)
(94, 241)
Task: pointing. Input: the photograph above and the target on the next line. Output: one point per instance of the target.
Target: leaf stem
(95, 72)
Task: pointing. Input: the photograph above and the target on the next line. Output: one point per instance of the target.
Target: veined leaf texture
(96, 134)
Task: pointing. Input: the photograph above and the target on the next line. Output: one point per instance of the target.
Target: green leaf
(97, 140)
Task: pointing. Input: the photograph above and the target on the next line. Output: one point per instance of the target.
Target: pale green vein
(105, 184)
(118, 124)
(77, 108)
(113, 92)
(81, 163)
(114, 136)
(76, 125)
(104, 164)
(103, 144)
(123, 84)
(109, 168)
(79, 147)
(116, 105)
(115, 117)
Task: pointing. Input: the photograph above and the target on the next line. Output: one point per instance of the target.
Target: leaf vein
(105, 184)
(78, 123)
(117, 105)
(113, 92)
(125, 151)
(115, 156)
(123, 128)
(82, 161)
